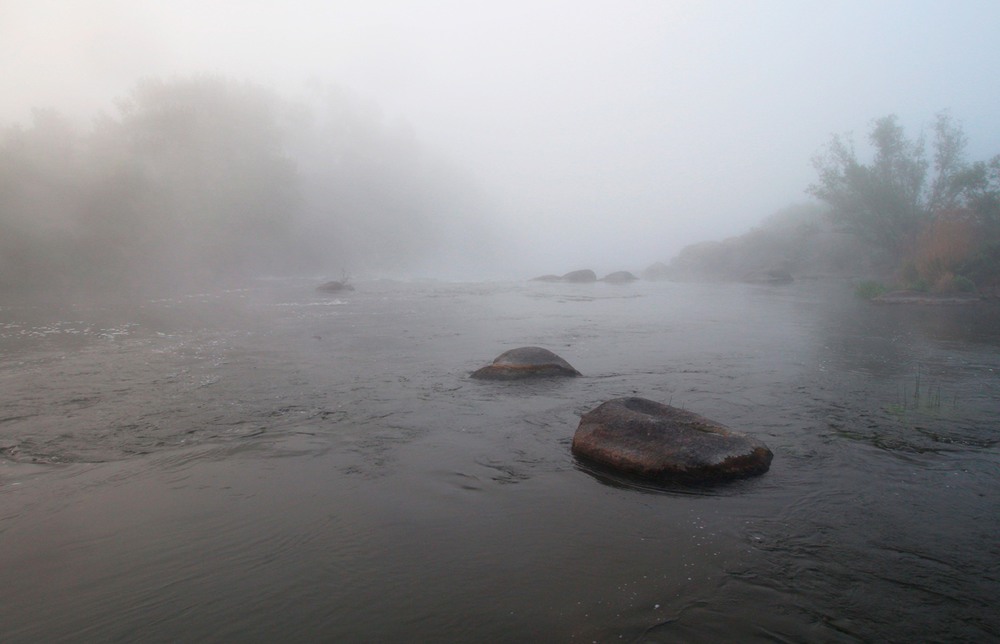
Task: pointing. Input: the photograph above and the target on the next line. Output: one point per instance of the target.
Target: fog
(459, 140)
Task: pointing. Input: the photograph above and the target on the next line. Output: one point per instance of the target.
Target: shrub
(983, 268)
(963, 284)
(869, 289)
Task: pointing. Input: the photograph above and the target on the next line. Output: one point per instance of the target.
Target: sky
(605, 134)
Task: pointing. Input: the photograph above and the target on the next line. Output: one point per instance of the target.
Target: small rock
(334, 287)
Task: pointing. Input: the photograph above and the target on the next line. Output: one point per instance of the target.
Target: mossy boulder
(656, 442)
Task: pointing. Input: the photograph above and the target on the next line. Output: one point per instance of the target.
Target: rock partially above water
(334, 287)
(619, 277)
(580, 277)
(652, 441)
(525, 362)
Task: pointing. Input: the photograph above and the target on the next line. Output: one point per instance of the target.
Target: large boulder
(652, 441)
(525, 362)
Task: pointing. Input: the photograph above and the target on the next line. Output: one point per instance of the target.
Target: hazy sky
(605, 132)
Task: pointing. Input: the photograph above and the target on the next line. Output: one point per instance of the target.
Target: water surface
(277, 463)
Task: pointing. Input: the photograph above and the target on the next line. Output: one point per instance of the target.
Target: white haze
(605, 135)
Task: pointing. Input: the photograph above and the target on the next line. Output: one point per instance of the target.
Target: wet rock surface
(525, 362)
(657, 442)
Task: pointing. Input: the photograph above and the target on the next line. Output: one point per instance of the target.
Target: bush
(963, 284)
(869, 289)
(983, 268)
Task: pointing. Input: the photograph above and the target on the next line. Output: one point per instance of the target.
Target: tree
(926, 212)
(213, 188)
(885, 202)
(41, 187)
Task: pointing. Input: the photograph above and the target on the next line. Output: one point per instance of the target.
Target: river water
(274, 463)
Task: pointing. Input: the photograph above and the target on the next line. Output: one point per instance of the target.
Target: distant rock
(619, 277)
(657, 271)
(525, 362)
(652, 441)
(580, 277)
(771, 276)
(334, 287)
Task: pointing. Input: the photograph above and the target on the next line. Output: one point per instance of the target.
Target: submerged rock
(525, 362)
(657, 442)
(334, 287)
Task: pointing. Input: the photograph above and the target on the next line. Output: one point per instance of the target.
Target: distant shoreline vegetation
(799, 242)
(904, 221)
(205, 180)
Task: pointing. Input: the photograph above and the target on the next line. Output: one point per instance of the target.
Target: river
(274, 463)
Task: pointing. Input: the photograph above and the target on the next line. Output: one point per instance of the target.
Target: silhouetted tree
(41, 189)
(211, 183)
(928, 215)
(204, 179)
(889, 201)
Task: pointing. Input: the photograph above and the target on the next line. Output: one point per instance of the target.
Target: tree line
(933, 214)
(207, 179)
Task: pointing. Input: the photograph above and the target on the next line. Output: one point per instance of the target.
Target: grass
(925, 398)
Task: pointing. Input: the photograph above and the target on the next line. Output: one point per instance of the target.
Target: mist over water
(450, 141)
(196, 444)
(274, 462)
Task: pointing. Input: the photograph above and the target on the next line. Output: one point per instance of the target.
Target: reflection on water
(273, 463)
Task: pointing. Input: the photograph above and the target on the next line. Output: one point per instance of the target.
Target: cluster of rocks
(586, 275)
(642, 438)
(633, 437)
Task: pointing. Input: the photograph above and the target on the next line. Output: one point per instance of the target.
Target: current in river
(272, 463)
